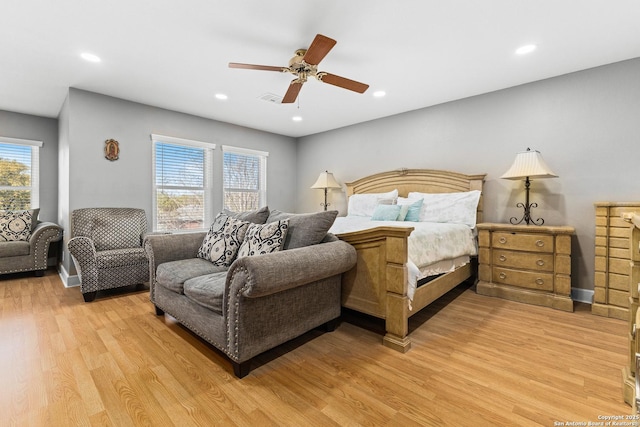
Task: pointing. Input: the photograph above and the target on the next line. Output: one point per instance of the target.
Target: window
(244, 178)
(19, 173)
(182, 183)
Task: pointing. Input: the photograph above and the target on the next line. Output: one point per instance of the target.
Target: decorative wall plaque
(111, 149)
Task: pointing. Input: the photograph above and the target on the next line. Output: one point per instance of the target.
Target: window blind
(244, 179)
(19, 173)
(182, 181)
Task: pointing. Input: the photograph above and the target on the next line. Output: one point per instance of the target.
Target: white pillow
(365, 204)
(455, 208)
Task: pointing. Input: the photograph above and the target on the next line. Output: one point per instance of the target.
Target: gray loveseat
(259, 301)
(26, 248)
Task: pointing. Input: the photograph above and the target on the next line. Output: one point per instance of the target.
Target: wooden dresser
(630, 378)
(526, 263)
(611, 292)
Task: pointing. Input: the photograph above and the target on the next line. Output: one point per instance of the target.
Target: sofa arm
(41, 237)
(161, 248)
(262, 275)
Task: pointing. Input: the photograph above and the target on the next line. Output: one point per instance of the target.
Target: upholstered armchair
(106, 247)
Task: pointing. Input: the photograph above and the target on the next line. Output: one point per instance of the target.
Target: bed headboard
(422, 180)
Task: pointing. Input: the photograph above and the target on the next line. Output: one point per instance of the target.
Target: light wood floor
(476, 361)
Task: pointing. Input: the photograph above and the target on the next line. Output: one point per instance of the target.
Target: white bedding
(432, 247)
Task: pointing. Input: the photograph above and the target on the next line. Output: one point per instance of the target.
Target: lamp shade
(326, 180)
(529, 164)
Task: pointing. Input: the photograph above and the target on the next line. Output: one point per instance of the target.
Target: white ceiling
(174, 54)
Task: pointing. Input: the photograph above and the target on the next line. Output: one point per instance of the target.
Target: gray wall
(90, 180)
(24, 126)
(585, 124)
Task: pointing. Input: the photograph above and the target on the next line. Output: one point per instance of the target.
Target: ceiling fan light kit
(304, 65)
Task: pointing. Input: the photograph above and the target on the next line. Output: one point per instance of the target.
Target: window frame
(262, 173)
(207, 178)
(34, 187)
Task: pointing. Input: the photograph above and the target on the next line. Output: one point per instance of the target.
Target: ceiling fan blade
(343, 82)
(319, 48)
(256, 67)
(292, 92)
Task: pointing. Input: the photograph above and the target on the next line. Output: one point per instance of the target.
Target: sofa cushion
(16, 226)
(16, 248)
(304, 229)
(207, 290)
(121, 257)
(221, 244)
(116, 231)
(259, 216)
(173, 274)
(264, 238)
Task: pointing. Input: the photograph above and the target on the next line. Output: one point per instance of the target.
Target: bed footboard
(377, 285)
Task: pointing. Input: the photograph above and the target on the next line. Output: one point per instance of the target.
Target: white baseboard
(68, 281)
(582, 295)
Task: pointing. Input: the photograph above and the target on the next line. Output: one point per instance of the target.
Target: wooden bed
(377, 285)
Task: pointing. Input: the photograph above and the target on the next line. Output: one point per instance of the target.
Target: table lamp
(528, 165)
(324, 182)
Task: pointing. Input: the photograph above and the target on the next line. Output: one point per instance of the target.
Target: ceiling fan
(305, 64)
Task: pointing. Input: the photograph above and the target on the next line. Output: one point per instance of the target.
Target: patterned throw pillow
(221, 244)
(16, 226)
(264, 239)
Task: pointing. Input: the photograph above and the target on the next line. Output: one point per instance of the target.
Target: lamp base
(526, 218)
(325, 204)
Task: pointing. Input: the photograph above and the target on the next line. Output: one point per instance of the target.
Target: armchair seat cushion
(121, 258)
(207, 290)
(15, 248)
(173, 274)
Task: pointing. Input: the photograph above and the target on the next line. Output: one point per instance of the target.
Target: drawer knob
(502, 258)
(539, 243)
(540, 262)
(502, 276)
(502, 240)
(539, 281)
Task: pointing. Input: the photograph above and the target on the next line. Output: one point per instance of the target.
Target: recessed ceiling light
(379, 93)
(296, 118)
(90, 57)
(221, 96)
(528, 48)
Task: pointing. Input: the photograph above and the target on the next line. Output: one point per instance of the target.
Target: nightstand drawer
(522, 242)
(524, 260)
(523, 279)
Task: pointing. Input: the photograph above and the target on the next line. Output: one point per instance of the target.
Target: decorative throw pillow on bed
(409, 209)
(264, 238)
(386, 213)
(17, 225)
(365, 204)
(304, 229)
(221, 244)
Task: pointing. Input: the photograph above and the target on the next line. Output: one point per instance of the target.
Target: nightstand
(526, 263)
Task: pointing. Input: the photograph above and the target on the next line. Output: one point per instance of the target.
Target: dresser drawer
(522, 242)
(523, 279)
(523, 260)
